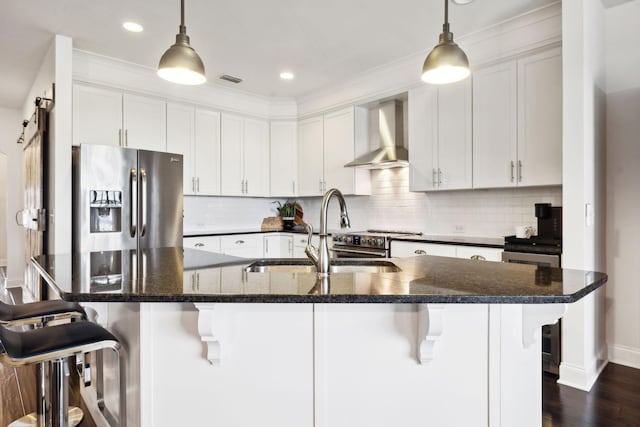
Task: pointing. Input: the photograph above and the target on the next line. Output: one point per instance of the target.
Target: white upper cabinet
(326, 144)
(454, 136)
(244, 156)
(423, 136)
(207, 152)
(440, 147)
(338, 150)
(180, 140)
(283, 158)
(97, 116)
(310, 156)
(109, 117)
(495, 126)
(540, 119)
(144, 122)
(195, 133)
(517, 122)
(231, 167)
(256, 157)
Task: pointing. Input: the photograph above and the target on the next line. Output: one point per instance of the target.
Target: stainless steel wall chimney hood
(392, 153)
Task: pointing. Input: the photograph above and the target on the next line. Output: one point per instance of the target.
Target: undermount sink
(336, 266)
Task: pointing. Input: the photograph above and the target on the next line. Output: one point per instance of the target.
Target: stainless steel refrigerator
(126, 199)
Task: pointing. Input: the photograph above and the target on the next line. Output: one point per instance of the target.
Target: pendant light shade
(180, 63)
(446, 63)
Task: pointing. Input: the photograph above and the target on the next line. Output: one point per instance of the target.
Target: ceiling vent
(231, 79)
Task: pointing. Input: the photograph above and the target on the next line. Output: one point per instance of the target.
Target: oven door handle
(381, 253)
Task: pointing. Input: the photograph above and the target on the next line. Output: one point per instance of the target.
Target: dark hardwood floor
(613, 401)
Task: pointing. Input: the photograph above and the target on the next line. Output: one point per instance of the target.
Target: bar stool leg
(59, 393)
(41, 394)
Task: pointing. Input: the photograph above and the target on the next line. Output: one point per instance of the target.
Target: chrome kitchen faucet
(320, 256)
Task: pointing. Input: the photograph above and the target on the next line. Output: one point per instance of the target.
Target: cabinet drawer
(243, 245)
(408, 249)
(206, 243)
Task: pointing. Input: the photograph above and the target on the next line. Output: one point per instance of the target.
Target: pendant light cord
(445, 26)
(183, 29)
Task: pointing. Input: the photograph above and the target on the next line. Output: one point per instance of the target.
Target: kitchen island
(422, 341)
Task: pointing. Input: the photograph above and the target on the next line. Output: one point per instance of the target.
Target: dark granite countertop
(163, 275)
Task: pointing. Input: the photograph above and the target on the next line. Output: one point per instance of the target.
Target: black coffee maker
(549, 221)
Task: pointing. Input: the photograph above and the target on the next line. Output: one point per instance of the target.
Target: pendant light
(180, 63)
(446, 63)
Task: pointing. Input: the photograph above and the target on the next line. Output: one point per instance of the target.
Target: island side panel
(265, 376)
(368, 373)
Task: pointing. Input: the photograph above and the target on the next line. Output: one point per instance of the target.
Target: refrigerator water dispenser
(105, 211)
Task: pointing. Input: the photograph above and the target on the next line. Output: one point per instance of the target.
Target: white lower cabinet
(242, 245)
(278, 246)
(407, 249)
(300, 243)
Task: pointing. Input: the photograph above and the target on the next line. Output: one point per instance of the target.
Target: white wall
(10, 128)
(583, 345)
(56, 68)
(623, 182)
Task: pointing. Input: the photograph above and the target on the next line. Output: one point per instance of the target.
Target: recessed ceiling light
(286, 75)
(134, 27)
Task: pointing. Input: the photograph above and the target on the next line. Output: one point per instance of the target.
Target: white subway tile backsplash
(490, 213)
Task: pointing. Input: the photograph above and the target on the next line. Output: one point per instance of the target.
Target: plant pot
(287, 223)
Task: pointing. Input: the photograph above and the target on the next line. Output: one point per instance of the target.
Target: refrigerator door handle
(143, 190)
(133, 201)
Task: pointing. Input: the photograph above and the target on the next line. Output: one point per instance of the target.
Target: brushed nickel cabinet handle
(199, 245)
(519, 170)
(126, 137)
(119, 137)
(434, 182)
(478, 258)
(512, 171)
(419, 252)
(439, 177)
(198, 184)
(239, 242)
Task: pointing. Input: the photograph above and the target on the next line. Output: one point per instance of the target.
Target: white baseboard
(579, 377)
(623, 355)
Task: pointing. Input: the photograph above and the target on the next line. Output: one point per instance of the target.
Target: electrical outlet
(458, 229)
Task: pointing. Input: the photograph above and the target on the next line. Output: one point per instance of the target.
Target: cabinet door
(256, 157)
(339, 149)
(207, 150)
(144, 121)
(310, 157)
(97, 116)
(540, 119)
(283, 158)
(454, 136)
(180, 140)
(278, 246)
(231, 173)
(423, 133)
(494, 126)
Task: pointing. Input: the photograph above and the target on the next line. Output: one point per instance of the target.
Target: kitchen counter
(424, 279)
(232, 347)
(486, 242)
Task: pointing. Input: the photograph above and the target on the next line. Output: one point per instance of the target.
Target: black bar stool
(40, 314)
(55, 344)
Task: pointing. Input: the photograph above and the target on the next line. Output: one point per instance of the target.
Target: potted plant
(287, 212)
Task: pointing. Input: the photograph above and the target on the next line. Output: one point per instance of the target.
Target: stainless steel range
(365, 244)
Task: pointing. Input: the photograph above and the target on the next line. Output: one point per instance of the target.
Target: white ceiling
(321, 41)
